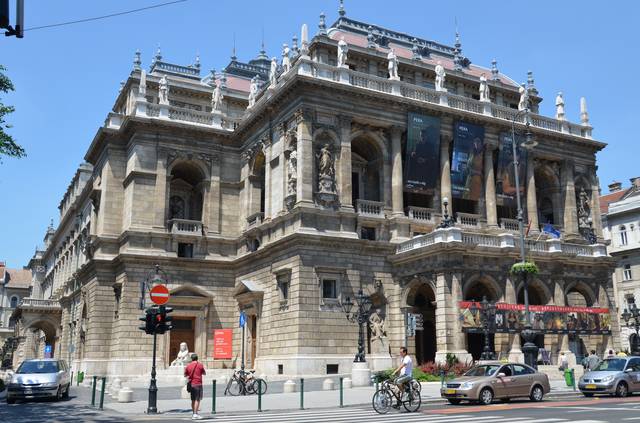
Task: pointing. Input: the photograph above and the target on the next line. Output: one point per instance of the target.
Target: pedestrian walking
(563, 362)
(592, 360)
(194, 372)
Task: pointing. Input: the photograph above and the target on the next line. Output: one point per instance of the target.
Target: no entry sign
(159, 294)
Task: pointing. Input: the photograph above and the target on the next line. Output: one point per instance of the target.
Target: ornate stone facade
(289, 198)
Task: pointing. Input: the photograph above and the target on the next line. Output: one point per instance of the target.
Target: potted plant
(527, 268)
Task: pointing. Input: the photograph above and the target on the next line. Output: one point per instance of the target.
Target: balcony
(421, 214)
(469, 220)
(370, 208)
(255, 219)
(185, 227)
(509, 224)
(36, 303)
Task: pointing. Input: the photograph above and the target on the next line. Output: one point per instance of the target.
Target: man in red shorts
(194, 371)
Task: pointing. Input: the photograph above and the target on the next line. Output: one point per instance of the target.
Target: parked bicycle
(384, 397)
(245, 383)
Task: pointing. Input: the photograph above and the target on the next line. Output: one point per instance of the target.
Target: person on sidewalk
(592, 360)
(194, 371)
(405, 370)
(611, 354)
(563, 362)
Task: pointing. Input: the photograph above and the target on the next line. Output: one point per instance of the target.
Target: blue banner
(466, 163)
(505, 176)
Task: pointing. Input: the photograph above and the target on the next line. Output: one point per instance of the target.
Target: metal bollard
(341, 394)
(573, 379)
(93, 393)
(104, 381)
(377, 385)
(301, 394)
(441, 378)
(213, 398)
(71, 383)
(259, 395)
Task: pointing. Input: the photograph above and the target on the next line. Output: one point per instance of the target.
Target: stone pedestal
(462, 355)
(380, 359)
(125, 395)
(328, 385)
(344, 76)
(360, 374)
(289, 386)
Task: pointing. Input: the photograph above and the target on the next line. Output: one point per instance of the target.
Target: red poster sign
(222, 344)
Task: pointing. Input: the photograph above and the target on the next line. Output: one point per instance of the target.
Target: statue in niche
(216, 99)
(440, 76)
(183, 355)
(484, 89)
(163, 91)
(343, 49)
(292, 173)
(379, 342)
(326, 171)
(584, 209)
(393, 65)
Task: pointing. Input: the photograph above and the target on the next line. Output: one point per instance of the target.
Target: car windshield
(611, 365)
(38, 367)
(486, 370)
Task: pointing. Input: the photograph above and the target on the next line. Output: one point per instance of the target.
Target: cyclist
(405, 370)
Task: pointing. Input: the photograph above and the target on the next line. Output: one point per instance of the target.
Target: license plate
(590, 386)
(450, 391)
(28, 391)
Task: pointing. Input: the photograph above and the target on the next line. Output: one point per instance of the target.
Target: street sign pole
(242, 323)
(153, 388)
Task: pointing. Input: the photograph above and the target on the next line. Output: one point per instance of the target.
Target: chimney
(635, 182)
(615, 186)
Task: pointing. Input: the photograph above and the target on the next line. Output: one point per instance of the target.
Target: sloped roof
(17, 278)
(612, 197)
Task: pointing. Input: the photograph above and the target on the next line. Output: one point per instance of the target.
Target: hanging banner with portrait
(422, 157)
(466, 163)
(544, 319)
(505, 176)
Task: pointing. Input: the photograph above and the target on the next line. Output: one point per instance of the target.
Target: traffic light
(150, 320)
(163, 319)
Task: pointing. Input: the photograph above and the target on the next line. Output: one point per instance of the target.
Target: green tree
(8, 146)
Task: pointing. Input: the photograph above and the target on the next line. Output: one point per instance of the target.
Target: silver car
(617, 376)
(40, 378)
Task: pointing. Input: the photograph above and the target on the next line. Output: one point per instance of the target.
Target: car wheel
(60, 393)
(587, 394)
(486, 396)
(66, 392)
(454, 401)
(622, 390)
(536, 393)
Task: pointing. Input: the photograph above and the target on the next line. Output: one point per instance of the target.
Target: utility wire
(105, 16)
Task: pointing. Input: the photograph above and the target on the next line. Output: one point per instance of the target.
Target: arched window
(14, 301)
(623, 235)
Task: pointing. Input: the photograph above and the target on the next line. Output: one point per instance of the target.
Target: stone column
(595, 206)
(510, 297)
(344, 173)
(445, 172)
(267, 178)
(396, 172)
(490, 188)
(449, 335)
(532, 202)
(306, 166)
(570, 212)
(215, 198)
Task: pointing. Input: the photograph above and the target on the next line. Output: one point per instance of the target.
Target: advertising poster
(544, 319)
(466, 163)
(422, 157)
(222, 344)
(505, 177)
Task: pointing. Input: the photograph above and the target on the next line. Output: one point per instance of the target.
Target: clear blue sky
(67, 78)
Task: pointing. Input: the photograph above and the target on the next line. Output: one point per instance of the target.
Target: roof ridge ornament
(322, 25)
(137, 61)
(531, 86)
(495, 73)
(197, 63)
(158, 56)
(371, 39)
(304, 39)
(415, 49)
(458, 58)
(584, 114)
(341, 10)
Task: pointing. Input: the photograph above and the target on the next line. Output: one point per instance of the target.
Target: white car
(39, 378)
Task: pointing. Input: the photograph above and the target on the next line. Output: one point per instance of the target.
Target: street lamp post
(529, 349)
(632, 319)
(488, 317)
(359, 316)
(447, 220)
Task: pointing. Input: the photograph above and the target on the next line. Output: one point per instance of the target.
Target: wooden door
(183, 331)
(254, 325)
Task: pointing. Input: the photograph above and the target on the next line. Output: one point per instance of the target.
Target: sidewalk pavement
(289, 401)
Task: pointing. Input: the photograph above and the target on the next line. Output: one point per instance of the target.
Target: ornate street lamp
(447, 220)
(488, 318)
(359, 316)
(590, 234)
(528, 334)
(632, 319)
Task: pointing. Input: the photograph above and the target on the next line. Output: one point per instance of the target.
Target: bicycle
(243, 383)
(383, 398)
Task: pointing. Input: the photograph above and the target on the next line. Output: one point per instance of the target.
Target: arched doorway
(422, 300)
(476, 291)
(186, 191)
(578, 296)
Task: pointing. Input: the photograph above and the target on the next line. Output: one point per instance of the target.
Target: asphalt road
(567, 409)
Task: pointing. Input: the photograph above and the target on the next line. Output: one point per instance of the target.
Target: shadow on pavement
(45, 410)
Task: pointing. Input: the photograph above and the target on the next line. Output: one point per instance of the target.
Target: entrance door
(475, 344)
(253, 327)
(183, 331)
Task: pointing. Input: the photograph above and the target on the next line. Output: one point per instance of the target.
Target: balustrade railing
(363, 80)
(194, 116)
(39, 303)
(480, 239)
(255, 219)
(416, 242)
(465, 103)
(468, 219)
(420, 213)
(185, 227)
(370, 208)
(509, 224)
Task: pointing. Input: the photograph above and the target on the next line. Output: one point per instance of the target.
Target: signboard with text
(422, 159)
(222, 344)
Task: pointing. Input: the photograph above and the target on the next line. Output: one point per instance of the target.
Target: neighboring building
(621, 227)
(291, 191)
(15, 284)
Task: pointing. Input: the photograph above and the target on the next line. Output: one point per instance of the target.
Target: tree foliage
(8, 147)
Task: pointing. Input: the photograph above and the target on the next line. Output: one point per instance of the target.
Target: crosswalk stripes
(361, 415)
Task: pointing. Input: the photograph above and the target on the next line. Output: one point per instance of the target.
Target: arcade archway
(422, 300)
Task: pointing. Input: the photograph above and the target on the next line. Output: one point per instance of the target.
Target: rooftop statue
(253, 91)
(343, 49)
(484, 89)
(286, 61)
(393, 65)
(216, 99)
(559, 107)
(273, 72)
(440, 76)
(163, 91)
(524, 98)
